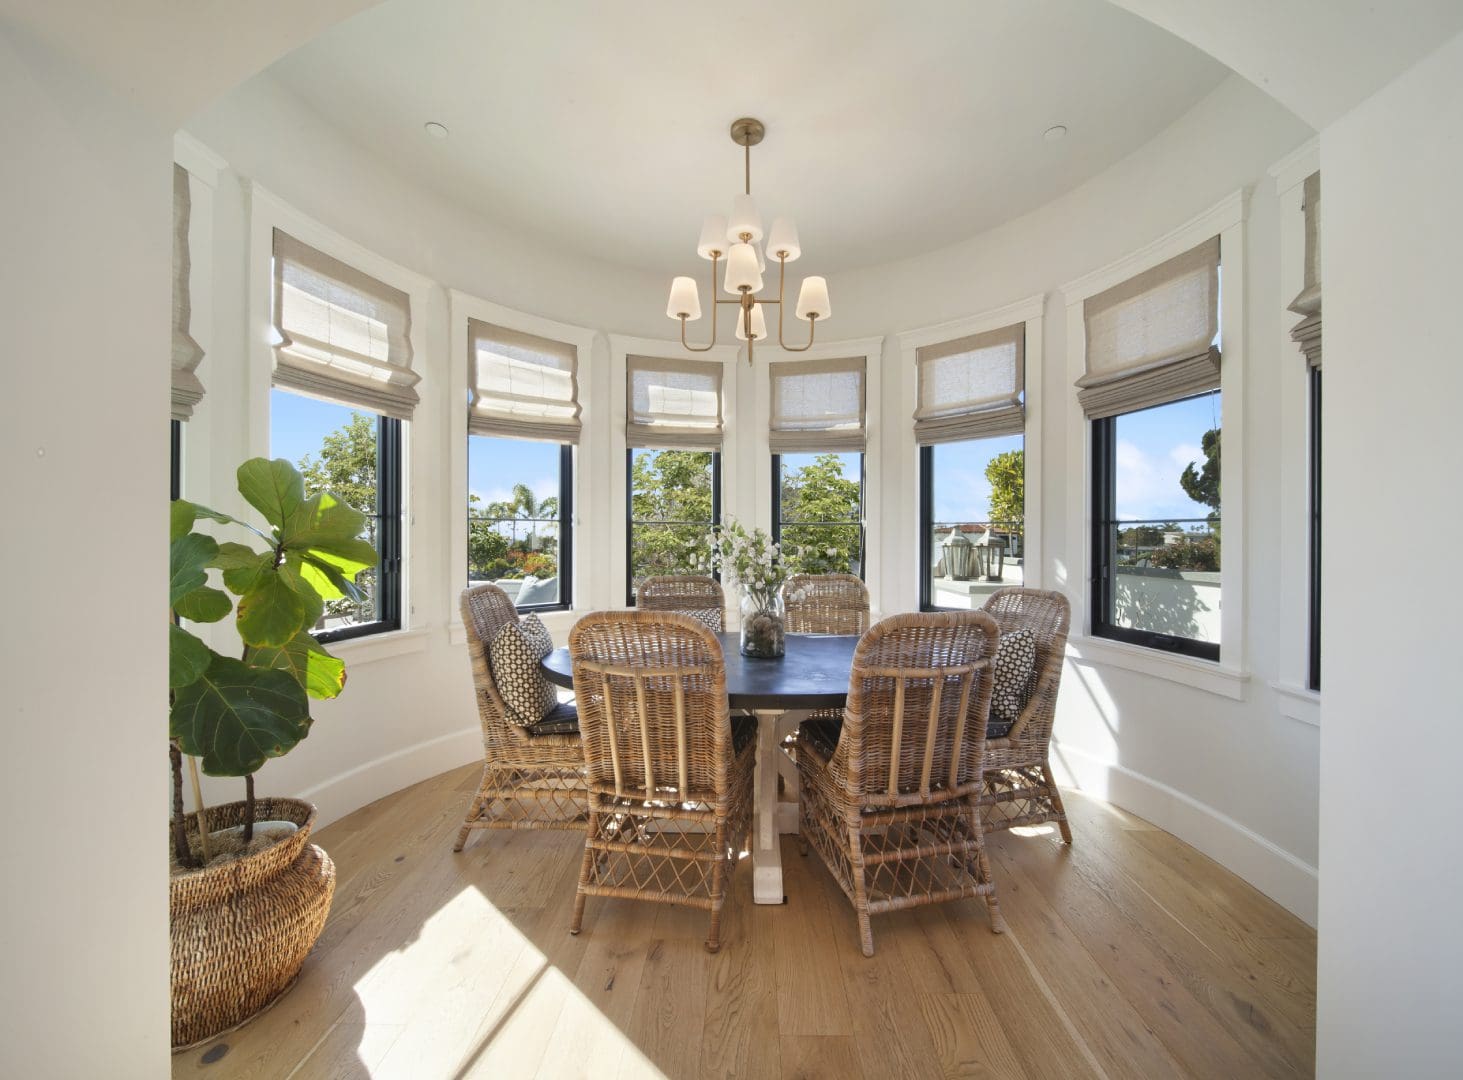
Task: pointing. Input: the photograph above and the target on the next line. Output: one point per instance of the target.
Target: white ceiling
(892, 128)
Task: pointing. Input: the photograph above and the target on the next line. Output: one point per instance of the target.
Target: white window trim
(1294, 699)
(266, 212)
(735, 500)
(757, 447)
(1227, 221)
(1029, 311)
(462, 307)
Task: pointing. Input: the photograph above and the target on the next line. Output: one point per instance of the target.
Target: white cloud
(1148, 484)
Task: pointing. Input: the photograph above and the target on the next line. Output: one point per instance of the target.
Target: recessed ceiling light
(1055, 132)
(439, 131)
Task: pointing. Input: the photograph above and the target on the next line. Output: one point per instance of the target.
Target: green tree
(671, 503)
(1007, 476)
(1202, 484)
(819, 492)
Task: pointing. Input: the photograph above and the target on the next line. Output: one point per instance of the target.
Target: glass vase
(763, 631)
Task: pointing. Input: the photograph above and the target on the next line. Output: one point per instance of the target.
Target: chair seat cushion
(1014, 660)
(514, 655)
(562, 719)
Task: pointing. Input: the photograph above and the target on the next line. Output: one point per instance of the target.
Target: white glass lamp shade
(759, 324)
(783, 238)
(813, 298)
(685, 300)
(713, 237)
(741, 269)
(744, 219)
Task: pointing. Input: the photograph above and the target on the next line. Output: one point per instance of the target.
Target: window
(519, 518)
(355, 454)
(1156, 526)
(973, 520)
(674, 500)
(1313, 665)
(818, 511)
(175, 448)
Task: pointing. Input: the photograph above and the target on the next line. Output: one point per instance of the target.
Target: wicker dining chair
(693, 594)
(1019, 788)
(890, 798)
(669, 769)
(533, 778)
(826, 604)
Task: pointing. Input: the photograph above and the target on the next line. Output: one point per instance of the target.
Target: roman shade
(1150, 339)
(817, 405)
(1307, 332)
(344, 335)
(522, 385)
(187, 389)
(673, 404)
(970, 388)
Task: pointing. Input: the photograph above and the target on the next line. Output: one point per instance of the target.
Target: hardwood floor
(1129, 954)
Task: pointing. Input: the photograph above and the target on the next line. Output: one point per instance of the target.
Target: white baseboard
(1288, 880)
(345, 792)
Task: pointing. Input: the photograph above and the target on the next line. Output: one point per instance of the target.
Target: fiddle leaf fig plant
(234, 714)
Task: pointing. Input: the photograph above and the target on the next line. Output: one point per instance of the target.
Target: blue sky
(1153, 446)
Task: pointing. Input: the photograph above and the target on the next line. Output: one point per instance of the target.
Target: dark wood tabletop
(812, 675)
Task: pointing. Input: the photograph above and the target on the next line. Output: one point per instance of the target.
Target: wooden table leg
(766, 848)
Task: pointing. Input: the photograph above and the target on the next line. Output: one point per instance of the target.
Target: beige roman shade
(345, 335)
(970, 388)
(522, 385)
(673, 404)
(1307, 332)
(187, 389)
(1150, 339)
(817, 405)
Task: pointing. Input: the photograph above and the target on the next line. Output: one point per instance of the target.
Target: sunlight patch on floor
(1033, 830)
(471, 996)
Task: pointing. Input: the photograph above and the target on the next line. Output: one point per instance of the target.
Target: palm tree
(528, 505)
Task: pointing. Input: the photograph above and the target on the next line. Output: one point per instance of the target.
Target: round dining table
(811, 675)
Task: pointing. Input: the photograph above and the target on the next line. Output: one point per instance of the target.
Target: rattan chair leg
(586, 867)
(1059, 812)
(993, 907)
(860, 891)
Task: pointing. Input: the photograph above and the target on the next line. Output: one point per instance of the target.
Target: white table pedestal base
(771, 817)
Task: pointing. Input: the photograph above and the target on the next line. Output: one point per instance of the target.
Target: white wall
(1235, 777)
(85, 209)
(1391, 943)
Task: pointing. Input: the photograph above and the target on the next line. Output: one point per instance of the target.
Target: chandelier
(735, 238)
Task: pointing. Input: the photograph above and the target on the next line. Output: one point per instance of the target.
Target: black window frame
(1104, 536)
(175, 446)
(927, 523)
(863, 494)
(1313, 642)
(389, 513)
(630, 521)
(565, 556)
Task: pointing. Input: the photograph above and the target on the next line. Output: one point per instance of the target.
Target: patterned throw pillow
(1015, 657)
(514, 655)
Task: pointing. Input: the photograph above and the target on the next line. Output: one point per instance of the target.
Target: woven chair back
(651, 690)
(486, 609)
(692, 594)
(918, 699)
(826, 604)
(1047, 614)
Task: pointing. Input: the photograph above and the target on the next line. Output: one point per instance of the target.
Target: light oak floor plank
(1129, 954)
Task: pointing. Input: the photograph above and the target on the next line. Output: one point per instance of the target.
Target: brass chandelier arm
(715, 255)
(812, 319)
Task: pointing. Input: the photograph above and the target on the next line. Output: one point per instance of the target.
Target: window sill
(1298, 703)
(1187, 671)
(373, 647)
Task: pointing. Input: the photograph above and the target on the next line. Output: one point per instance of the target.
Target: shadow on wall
(1184, 603)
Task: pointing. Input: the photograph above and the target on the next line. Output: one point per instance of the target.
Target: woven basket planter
(241, 930)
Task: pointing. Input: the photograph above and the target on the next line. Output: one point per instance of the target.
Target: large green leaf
(242, 566)
(188, 558)
(203, 605)
(327, 580)
(323, 521)
(188, 658)
(274, 488)
(236, 717)
(271, 612)
(320, 674)
(184, 513)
